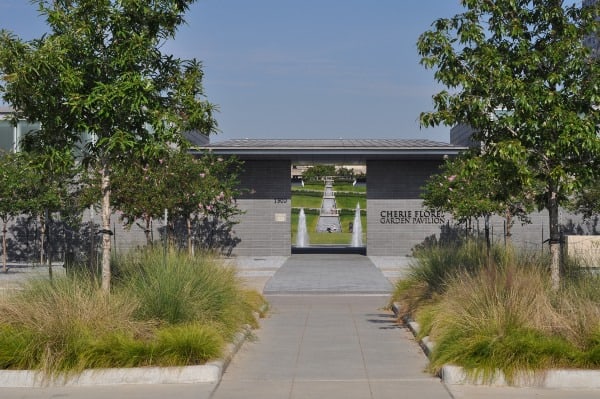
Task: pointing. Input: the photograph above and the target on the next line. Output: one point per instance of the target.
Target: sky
(302, 69)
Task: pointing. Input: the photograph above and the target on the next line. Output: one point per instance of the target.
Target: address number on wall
(281, 200)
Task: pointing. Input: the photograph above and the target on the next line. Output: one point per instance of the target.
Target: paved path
(328, 274)
(329, 347)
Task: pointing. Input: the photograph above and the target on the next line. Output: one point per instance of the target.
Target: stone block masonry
(396, 218)
(264, 227)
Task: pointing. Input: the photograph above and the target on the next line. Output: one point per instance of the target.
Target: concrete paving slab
(331, 389)
(179, 391)
(421, 388)
(270, 389)
(335, 353)
(327, 274)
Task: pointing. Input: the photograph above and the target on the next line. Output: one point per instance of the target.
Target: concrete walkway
(330, 347)
(328, 274)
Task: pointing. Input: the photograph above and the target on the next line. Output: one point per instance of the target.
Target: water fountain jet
(357, 229)
(302, 235)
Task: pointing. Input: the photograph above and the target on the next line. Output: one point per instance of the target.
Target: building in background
(10, 135)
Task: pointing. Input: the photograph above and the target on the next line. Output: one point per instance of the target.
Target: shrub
(501, 318)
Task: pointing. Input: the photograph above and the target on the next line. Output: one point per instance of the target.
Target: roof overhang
(341, 151)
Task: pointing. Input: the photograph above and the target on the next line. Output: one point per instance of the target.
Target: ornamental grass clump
(504, 315)
(47, 324)
(174, 288)
(500, 318)
(162, 311)
(434, 266)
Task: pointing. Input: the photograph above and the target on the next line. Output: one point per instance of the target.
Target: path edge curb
(209, 373)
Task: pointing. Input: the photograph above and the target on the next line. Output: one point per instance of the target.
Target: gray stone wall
(396, 219)
(264, 228)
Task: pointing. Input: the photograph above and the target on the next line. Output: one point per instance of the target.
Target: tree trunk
(105, 189)
(554, 239)
(507, 233)
(190, 237)
(92, 258)
(49, 251)
(488, 243)
(147, 231)
(4, 263)
(42, 239)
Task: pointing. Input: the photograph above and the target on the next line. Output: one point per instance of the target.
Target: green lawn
(342, 238)
(348, 202)
(306, 201)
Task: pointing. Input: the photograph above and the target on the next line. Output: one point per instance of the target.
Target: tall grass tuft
(179, 289)
(503, 314)
(500, 318)
(50, 322)
(434, 266)
(161, 311)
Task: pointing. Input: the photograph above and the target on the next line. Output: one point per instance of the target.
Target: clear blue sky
(302, 68)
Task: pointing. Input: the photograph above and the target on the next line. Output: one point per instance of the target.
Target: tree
(100, 71)
(475, 185)
(344, 173)
(319, 171)
(47, 188)
(519, 74)
(587, 201)
(189, 188)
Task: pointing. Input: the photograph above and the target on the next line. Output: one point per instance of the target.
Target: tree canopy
(100, 71)
(518, 72)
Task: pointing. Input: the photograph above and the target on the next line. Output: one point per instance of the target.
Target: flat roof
(333, 150)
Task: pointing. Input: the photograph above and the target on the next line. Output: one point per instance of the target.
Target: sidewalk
(324, 346)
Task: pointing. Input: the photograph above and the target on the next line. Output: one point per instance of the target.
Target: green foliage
(113, 81)
(587, 200)
(433, 266)
(13, 185)
(344, 173)
(187, 344)
(504, 316)
(189, 188)
(178, 289)
(519, 73)
(511, 349)
(17, 350)
(69, 324)
(476, 185)
(318, 172)
(100, 71)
